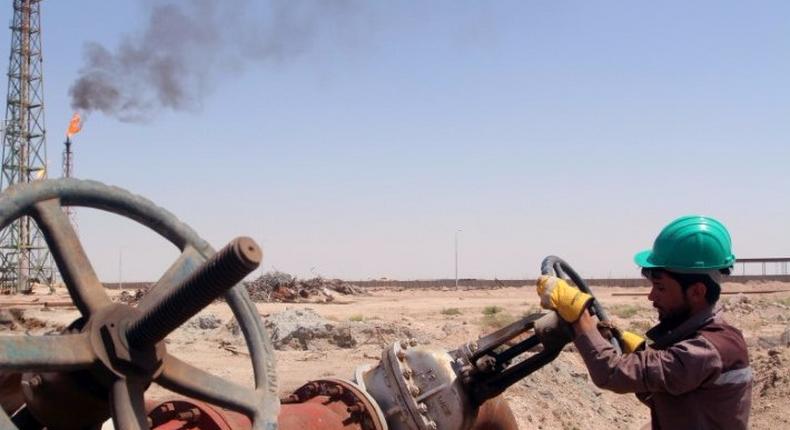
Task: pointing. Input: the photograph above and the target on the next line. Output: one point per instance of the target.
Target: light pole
(456, 257)
(120, 268)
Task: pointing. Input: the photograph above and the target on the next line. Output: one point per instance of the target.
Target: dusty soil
(352, 330)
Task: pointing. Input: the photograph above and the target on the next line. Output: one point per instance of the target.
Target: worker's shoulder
(694, 345)
(728, 341)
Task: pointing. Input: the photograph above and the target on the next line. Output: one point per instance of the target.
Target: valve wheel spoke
(78, 274)
(189, 260)
(128, 406)
(46, 353)
(183, 378)
(44, 201)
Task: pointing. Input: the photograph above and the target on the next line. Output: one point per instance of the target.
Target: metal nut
(333, 391)
(355, 408)
(414, 390)
(422, 407)
(35, 380)
(404, 344)
(401, 355)
(190, 416)
(431, 425)
(412, 342)
(407, 373)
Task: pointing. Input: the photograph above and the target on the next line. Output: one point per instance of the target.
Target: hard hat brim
(642, 259)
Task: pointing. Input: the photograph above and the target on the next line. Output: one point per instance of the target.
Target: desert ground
(331, 338)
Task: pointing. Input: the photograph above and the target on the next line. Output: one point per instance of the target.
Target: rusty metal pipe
(312, 415)
(220, 273)
(171, 414)
(315, 414)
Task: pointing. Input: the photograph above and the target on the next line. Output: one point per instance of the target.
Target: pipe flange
(360, 407)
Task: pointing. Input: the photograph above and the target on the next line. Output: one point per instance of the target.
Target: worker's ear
(696, 293)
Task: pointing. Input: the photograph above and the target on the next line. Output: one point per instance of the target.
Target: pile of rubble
(739, 304)
(306, 330)
(771, 377)
(300, 330)
(282, 287)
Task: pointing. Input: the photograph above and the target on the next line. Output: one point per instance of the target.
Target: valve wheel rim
(43, 201)
(556, 266)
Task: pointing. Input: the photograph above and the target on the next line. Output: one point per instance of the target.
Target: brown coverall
(696, 376)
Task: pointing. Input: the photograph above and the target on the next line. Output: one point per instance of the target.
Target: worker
(695, 373)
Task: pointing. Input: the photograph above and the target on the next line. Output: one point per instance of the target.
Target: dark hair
(686, 280)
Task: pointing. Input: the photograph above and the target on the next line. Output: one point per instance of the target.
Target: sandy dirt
(558, 396)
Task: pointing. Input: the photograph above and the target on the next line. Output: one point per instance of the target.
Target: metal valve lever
(487, 371)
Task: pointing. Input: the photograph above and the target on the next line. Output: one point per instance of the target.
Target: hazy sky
(352, 139)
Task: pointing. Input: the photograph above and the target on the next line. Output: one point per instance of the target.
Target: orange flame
(75, 125)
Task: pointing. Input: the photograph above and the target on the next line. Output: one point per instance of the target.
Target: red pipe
(188, 414)
(314, 414)
(317, 413)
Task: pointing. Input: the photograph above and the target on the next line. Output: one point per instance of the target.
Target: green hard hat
(690, 244)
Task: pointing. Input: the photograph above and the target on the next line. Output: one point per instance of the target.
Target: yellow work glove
(557, 295)
(630, 342)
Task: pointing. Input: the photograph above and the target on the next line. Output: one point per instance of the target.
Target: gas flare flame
(75, 125)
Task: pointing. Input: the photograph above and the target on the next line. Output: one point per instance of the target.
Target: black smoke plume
(188, 46)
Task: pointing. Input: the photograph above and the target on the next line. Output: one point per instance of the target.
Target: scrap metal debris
(12, 319)
(281, 287)
(276, 287)
(131, 297)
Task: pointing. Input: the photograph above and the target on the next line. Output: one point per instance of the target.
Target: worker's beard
(673, 318)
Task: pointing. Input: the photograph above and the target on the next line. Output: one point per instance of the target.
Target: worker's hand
(629, 341)
(557, 295)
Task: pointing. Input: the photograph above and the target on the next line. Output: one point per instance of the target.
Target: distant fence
(127, 285)
(494, 283)
(768, 266)
(501, 283)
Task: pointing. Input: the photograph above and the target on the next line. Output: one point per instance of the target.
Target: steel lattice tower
(24, 257)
